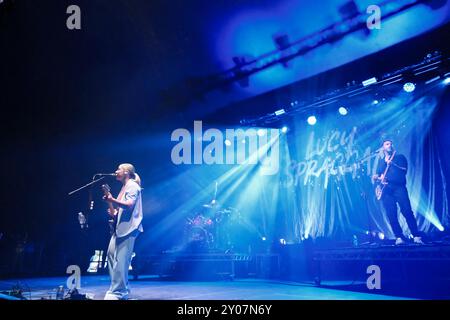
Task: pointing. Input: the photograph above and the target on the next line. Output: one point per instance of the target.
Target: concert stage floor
(152, 288)
(408, 271)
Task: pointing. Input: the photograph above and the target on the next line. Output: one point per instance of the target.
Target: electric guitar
(111, 210)
(382, 183)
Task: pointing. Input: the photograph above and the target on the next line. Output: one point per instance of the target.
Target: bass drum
(199, 239)
(197, 233)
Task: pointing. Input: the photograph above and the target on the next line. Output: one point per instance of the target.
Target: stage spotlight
(370, 81)
(261, 132)
(243, 140)
(441, 228)
(374, 102)
(409, 87)
(312, 120)
(263, 238)
(446, 80)
(343, 111)
(227, 142)
(283, 241)
(284, 129)
(280, 112)
(381, 235)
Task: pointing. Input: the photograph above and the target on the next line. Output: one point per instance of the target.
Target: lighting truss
(433, 67)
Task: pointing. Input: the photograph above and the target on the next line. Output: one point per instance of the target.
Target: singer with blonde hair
(128, 216)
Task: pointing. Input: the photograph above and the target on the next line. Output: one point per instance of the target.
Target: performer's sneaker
(399, 241)
(111, 296)
(418, 240)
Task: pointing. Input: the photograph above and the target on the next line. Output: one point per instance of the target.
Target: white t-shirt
(129, 220)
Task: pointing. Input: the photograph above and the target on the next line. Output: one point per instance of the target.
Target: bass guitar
(382, 183)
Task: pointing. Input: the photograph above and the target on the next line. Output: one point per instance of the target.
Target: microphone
(376, 151)
(82, 220)
(106, 174)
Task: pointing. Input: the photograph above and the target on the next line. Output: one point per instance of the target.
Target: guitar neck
(387, 167)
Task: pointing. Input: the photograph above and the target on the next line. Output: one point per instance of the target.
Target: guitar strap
(121, 193)
(392, 157)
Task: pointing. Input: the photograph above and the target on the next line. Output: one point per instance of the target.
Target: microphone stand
(86, 185)
(370, 155)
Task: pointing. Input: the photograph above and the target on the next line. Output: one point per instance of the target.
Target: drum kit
(208, 229)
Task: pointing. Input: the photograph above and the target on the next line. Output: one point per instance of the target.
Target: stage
(438, 251)
(153, 288)
(340, 273)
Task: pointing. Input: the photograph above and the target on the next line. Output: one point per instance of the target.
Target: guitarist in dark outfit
(395, 192)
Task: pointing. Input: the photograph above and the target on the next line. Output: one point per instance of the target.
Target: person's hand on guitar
(108, 197)
(112, 212)
(376, 177)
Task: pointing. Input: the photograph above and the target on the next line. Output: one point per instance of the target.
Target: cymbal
(212, 204)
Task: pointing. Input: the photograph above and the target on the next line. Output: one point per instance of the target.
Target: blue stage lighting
(409, 87)
(312, 120)
(280, 112)
(375, 101)
(446, 80)
(441, 228)
(283, 241)
(227, 142)
(284, 129)
(263, 238)
(343, 111)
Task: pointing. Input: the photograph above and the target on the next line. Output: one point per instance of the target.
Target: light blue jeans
(119, 259)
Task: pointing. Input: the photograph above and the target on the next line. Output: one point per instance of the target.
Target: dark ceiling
(112, 75)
